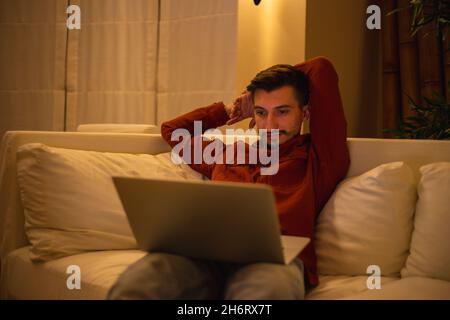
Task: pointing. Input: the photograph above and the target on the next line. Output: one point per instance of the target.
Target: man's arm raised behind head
(328, 127)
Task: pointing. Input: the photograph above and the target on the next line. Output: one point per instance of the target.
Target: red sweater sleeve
(212, 116)
(328, 127)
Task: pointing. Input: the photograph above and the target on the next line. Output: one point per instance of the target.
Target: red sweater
(310, 165)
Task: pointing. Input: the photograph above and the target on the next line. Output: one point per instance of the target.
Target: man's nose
(271, 122)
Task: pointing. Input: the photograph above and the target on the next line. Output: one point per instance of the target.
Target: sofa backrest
(365, 154)
(368, 153)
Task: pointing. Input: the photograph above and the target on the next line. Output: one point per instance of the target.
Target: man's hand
(240, 109)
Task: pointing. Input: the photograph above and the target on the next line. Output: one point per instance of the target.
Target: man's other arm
(212, 116)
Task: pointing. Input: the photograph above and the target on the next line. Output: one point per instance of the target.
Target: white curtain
(197, 55)
(128, 51)
(32, 64)
(133, 61)
(111, 63)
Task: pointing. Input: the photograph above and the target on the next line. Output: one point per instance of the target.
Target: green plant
(430, 121)
(425, 12)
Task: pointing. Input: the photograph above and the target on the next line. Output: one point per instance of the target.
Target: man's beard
(267, 138)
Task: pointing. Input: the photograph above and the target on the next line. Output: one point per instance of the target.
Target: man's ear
(306, 113)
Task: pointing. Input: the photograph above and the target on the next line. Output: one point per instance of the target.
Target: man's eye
(283, 111)
(259, 113)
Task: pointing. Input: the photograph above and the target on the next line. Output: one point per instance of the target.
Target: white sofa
(23, 279)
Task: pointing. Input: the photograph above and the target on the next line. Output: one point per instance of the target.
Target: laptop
(222, 221)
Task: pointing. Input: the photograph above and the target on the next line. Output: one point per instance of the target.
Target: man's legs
(266, 281)
(166, 276)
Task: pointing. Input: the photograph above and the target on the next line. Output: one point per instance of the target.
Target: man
(310, 167)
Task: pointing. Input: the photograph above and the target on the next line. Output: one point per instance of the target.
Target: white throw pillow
(368, 221)
(70, 202)
(430, 244)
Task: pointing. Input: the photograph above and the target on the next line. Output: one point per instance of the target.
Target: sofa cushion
(340, 287)
(70, 202)
(430, 244)
(48, 280)
(411, 288)
(368, 221)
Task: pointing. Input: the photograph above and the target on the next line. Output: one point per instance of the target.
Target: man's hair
(278, 76)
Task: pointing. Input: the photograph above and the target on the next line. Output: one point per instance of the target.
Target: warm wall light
(256, 2)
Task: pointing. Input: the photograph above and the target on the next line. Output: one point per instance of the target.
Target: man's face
(279, 109)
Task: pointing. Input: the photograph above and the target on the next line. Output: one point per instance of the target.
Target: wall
(337, 29)
(289, 31)
(271, 33)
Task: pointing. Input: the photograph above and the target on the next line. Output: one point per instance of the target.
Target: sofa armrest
(12, 232)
